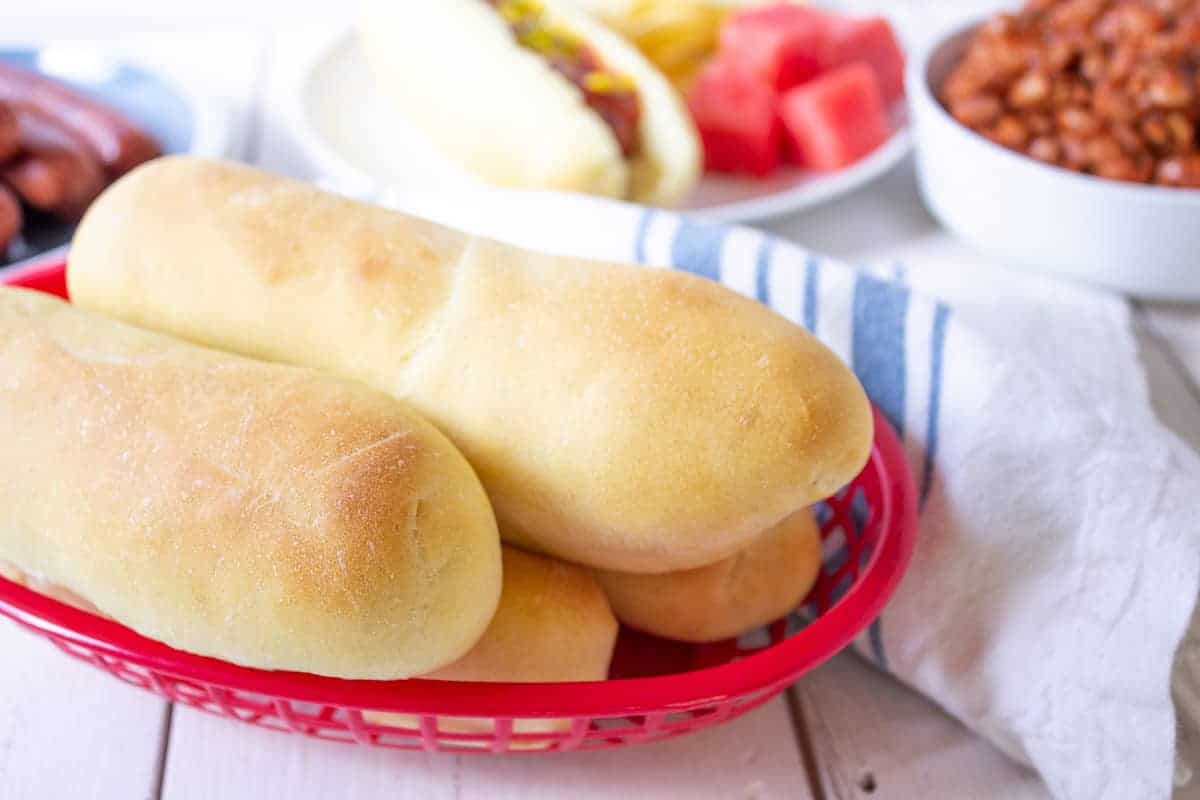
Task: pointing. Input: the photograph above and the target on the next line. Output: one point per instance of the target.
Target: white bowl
(1139, 239)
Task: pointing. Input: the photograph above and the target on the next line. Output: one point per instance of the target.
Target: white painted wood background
(845, 731)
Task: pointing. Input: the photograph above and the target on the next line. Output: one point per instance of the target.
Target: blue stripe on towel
(697, 248)
(937, 348)
(639, 240)
(880, 313)
(812, 280)
(762, 271)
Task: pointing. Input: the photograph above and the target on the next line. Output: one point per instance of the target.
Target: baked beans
(1106, 87)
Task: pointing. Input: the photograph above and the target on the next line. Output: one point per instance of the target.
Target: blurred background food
(1038, 131)
(58, 150)
(723, 108)
(678, 36)
(1106, 87)
(76, 114)
(737, 62)
(795, 85)
(567, 104)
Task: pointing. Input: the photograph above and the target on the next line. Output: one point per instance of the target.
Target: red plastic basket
(656, 689)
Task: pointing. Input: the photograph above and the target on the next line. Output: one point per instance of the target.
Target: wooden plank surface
(874, 738)
(751, 758)
(70, 731)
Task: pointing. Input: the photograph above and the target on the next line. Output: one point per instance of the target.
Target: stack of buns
(326, 489)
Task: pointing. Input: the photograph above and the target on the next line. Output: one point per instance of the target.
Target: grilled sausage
(10, 132)
(53, 172)
(10, 218)
(115, 142)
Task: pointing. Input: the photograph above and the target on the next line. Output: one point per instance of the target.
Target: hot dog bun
(760, 584)
(262, 514)
(621, 417)
(456, 73)
(21, 578)
(553, 625)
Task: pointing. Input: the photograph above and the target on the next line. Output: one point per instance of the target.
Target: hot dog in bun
(532, 94)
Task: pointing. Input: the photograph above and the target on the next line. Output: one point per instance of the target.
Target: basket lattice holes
(657, 688)
(845, 522)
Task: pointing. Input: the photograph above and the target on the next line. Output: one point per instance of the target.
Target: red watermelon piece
(737, 120)
(836, 119)
(871, 41)
(780, 45)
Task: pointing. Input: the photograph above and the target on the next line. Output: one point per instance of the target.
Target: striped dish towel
(1056, 567)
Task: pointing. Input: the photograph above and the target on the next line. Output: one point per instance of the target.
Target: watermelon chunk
(871, 41)
(737, 120)
(781, 45)
(836, 119)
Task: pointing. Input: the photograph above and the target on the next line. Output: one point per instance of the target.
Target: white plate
(364, 147)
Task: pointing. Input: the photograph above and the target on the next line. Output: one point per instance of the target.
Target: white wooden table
(67, 731)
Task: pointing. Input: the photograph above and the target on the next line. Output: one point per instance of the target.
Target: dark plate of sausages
(66, 132)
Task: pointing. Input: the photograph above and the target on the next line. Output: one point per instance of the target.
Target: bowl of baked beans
(1064, 136)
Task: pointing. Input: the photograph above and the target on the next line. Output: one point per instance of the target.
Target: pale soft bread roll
(22, 578)
(263, 514)
(620, 417)
(760, 584)
(455, 72)
(553, 625)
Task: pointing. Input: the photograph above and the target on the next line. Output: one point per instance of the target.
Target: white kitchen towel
(1057, 563)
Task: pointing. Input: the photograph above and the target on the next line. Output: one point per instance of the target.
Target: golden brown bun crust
(620, 417)
(553, 624)
(66, 596)
(267, 515)
(758, 585)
